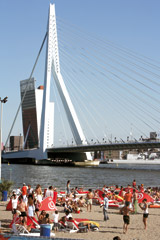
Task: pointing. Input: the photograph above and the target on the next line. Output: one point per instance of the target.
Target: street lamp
(2, 101)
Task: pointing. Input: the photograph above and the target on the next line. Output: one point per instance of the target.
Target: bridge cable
(102, 88)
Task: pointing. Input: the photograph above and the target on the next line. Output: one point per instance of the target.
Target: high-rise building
(31, 114)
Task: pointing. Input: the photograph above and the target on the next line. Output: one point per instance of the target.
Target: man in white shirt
(105, 207)
(14, 204)
(49, 192)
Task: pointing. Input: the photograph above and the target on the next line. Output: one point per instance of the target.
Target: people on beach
(30, 206)
(24, 192)
(68, 187)
(128, 198)
(38, 205)
(29, 190)
(73, 203)
(105, 206)
(134, 183)
(81, 202)
(18, 191)
(38, 192)
(41, 216)
(14, 200)
(135, 200)
(22, 207)
(89, 198)
(68, 214)
(126, 218)
(144, 207)
(49, 192)
(55, 220)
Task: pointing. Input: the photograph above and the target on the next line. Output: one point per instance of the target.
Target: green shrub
(5, 185)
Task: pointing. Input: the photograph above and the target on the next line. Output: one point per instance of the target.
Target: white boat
(87, 163)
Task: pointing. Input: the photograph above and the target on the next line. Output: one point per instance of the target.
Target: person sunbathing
(67, 207)
(77, 224)
(75, 208)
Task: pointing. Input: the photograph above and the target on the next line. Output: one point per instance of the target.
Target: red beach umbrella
(48, 205)
(142, 196)
(100, 193)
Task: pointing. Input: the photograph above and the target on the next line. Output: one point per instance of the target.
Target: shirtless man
(21, 206)
(135, 201)
(89, 199)
(125, 210)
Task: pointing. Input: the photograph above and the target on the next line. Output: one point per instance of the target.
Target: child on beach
(126, 218)
(145, 214)
(55, 219)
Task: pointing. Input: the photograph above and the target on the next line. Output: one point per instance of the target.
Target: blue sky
(132, 24)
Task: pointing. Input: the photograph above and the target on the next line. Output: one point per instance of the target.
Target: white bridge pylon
(52, 66)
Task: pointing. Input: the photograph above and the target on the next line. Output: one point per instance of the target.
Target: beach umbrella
(48, 205)
(142, 196)
(100, 193)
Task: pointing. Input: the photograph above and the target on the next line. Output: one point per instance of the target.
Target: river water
(93, 177)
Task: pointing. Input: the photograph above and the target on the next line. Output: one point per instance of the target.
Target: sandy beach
(108, 230)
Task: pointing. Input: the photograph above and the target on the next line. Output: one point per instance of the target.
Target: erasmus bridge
(110, 96)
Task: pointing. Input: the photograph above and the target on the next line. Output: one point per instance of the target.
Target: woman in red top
(134, 183)
(24, 191)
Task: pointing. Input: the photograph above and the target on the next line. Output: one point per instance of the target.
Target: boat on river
(86, 163)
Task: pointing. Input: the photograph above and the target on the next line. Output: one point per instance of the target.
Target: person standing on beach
(135, 201)
(126, 218)
(89, 199)
(49, 192)
(24, 192)
(122, 193)
(55, 218)
(68, 187)
(21, 206)
(128, 198)
(38, 192)
(146, 213)
(105, 206)
(134, 183)
(14, 200)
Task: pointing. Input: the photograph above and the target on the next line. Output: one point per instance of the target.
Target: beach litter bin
(4, 196)
(45, 230)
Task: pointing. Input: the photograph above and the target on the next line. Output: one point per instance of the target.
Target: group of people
(27, 202)
(129, 198)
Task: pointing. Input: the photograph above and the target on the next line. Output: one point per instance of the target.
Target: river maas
(93, 177)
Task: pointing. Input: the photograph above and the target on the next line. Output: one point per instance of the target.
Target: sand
(109, 229)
